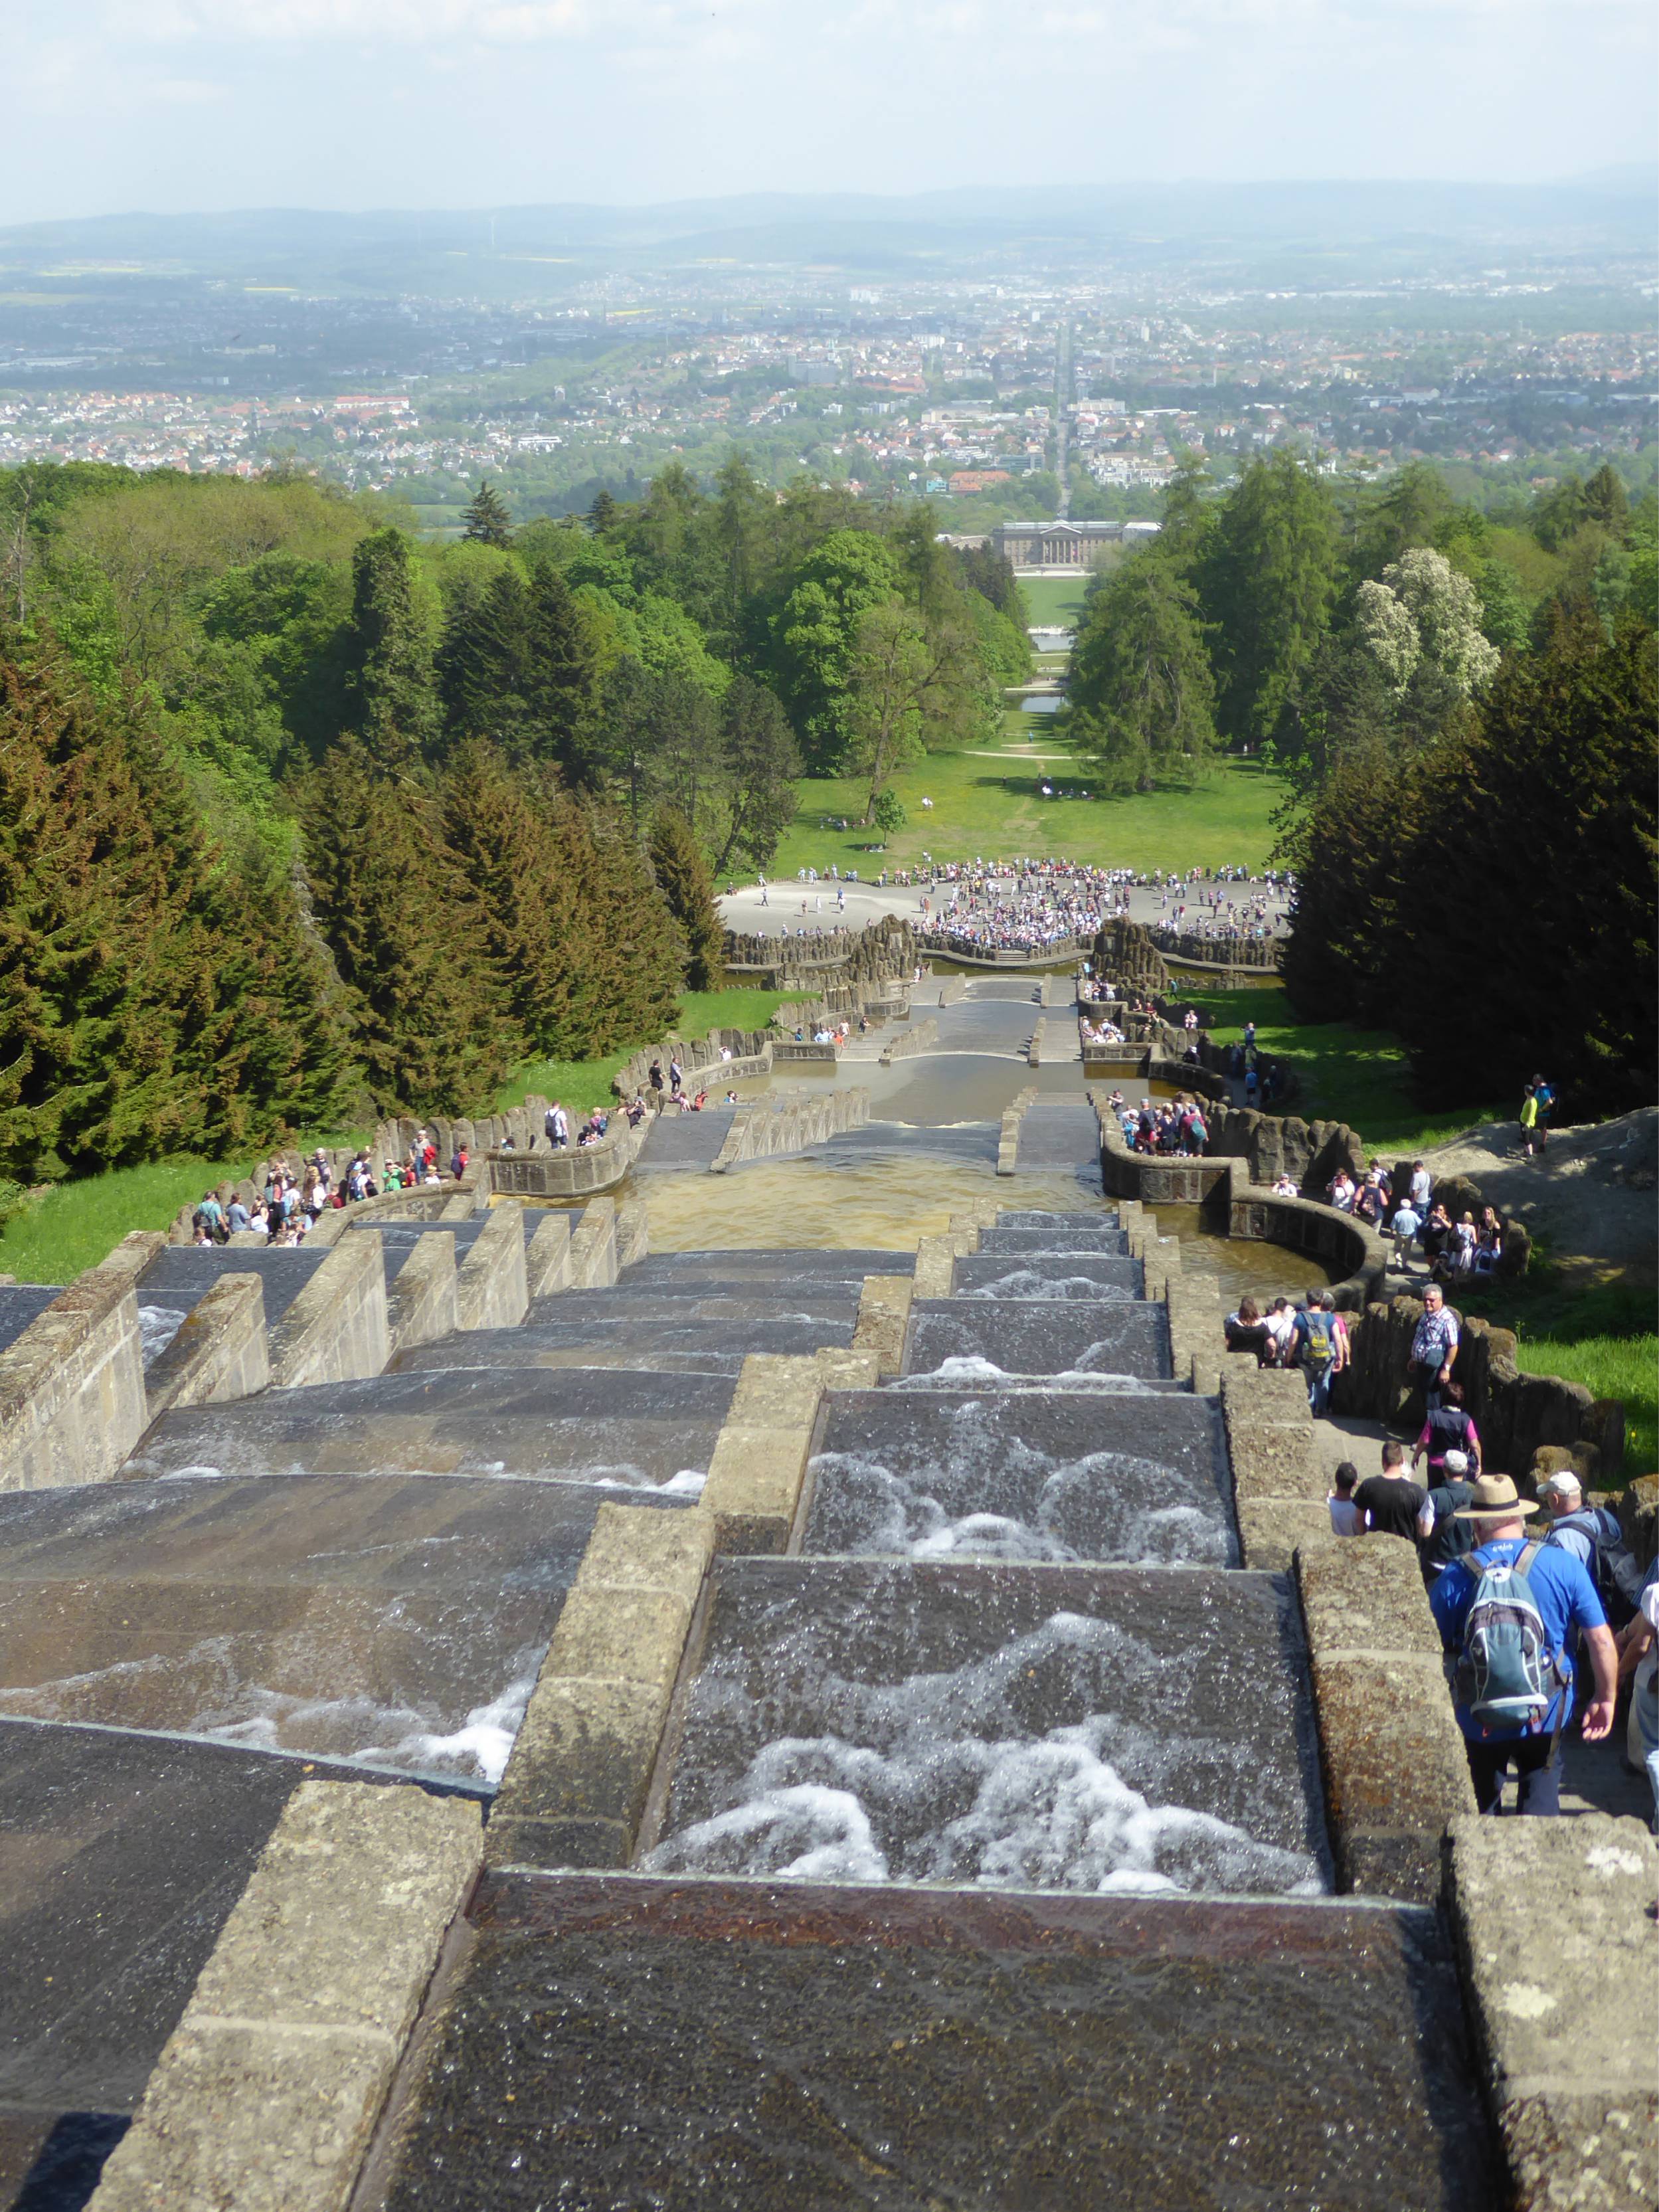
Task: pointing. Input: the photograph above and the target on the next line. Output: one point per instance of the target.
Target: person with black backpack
(1506, 1614)
(1592, 1535)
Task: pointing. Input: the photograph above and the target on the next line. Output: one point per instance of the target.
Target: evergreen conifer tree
(407, 935)
(633, 954)
(483, 664)
(561, 675)
(682, 878)
(391, 697)
(486, 518)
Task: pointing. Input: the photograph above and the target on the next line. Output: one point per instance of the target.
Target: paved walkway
(865, 904)
(1594, 1777)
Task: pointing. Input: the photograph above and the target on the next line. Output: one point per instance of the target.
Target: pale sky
(172, 105)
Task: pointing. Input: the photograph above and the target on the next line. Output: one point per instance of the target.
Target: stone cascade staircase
(931, 1848)
(777, 1727)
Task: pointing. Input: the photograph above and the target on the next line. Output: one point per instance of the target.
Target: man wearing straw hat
(1565, 1599)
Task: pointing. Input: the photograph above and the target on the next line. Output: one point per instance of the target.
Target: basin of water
(616, 2041)
(1016, 1476)
(1027, 1726)
(882, 1202)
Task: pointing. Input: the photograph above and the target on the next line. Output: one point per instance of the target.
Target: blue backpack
(1507, 1676)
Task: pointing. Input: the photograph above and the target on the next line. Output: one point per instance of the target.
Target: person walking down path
(1507, 1613)
(1434, 1346)
(1393, 1505)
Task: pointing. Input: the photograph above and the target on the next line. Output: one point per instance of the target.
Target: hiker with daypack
(1314, 1337)
(1592, 1535)
(1505, 1614)
(1448, 1538)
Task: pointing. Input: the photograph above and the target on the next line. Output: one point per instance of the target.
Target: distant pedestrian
(1347, 1519)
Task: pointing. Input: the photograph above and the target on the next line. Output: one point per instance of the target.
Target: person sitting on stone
(1285, 1188)
(1435, 1232)
(1342, 1191)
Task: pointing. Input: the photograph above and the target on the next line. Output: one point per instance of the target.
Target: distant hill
(1342, 228)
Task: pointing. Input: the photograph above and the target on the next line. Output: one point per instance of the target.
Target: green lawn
(1361, 1077)
(1602, 1336)
(987, 804)
(75, 1224)
(1054, 600)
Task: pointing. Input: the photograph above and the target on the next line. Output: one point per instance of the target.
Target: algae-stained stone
(1397, 1774)
(1367, 1594)
(760, 2047)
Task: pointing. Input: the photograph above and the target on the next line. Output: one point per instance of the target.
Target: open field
(987, 804)
(1052, 601)
(1601, 1335)
(75, 1224)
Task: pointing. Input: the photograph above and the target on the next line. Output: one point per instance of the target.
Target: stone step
(400, 1617)
(667, 1270)
(1054, 1240)
(637, 1309)
(835, 2046)
(709, 1347)
(1030, 1337)
(1049, 1275)
(935, 1474)
(1019, 1217)
(465, 1420)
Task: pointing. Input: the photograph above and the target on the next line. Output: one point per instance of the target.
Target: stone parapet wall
(1226, 955)
(790, 1122)
(221, 1352)
(1396, 1775)
(918, 1037)
(886, 951)
(267, 2092)
(490, 1290)
(421, 1302)
(338, 1328)
(72, 1400)
(1553, 1922)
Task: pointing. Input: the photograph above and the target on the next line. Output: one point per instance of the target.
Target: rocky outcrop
(1124, 951)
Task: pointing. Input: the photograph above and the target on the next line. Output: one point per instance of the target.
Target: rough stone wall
(490, 1289)
(1193, 950)
(72, 1402)
(1518, 1415)
(917, 1038)
(421, 1302)
(220, 1352)
(337, 1330)
(1125, 951)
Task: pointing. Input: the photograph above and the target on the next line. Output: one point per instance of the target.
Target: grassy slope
(988, 805)
(1602, 1337)
(1053, 601)
(1361, 1077)
(75, 1225)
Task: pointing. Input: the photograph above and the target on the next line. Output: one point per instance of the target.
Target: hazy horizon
(208, 106)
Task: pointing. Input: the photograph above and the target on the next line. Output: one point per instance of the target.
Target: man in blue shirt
(1566, 1599)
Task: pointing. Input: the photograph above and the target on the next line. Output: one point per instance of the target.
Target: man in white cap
(1592, 1535)
(1448, 1538)
(1506, 1574)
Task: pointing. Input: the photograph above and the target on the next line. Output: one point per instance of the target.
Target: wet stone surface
(120, 1857)
(1015, 1476)
(576, 1423)
(1031, 1727)
(709, 1347)
(1040, 1337)
(615, 2044)
(1048, 1275)
(1042, 1239)
(395, 1620)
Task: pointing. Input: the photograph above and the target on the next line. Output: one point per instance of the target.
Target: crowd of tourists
(287, 1201)
(1170, 1128)
(1539, 1624)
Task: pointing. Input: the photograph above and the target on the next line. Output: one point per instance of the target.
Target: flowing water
(998, 1727)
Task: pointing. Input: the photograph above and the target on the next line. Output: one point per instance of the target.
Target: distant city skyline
(170, 106)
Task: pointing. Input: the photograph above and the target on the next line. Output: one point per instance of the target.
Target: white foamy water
(968, 1371)
(1025, 1283)
(985, 1497)
(157, 1327)
(939, 1777)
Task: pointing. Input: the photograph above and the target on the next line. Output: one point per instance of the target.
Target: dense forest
(300, 814)
(1466, 708)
